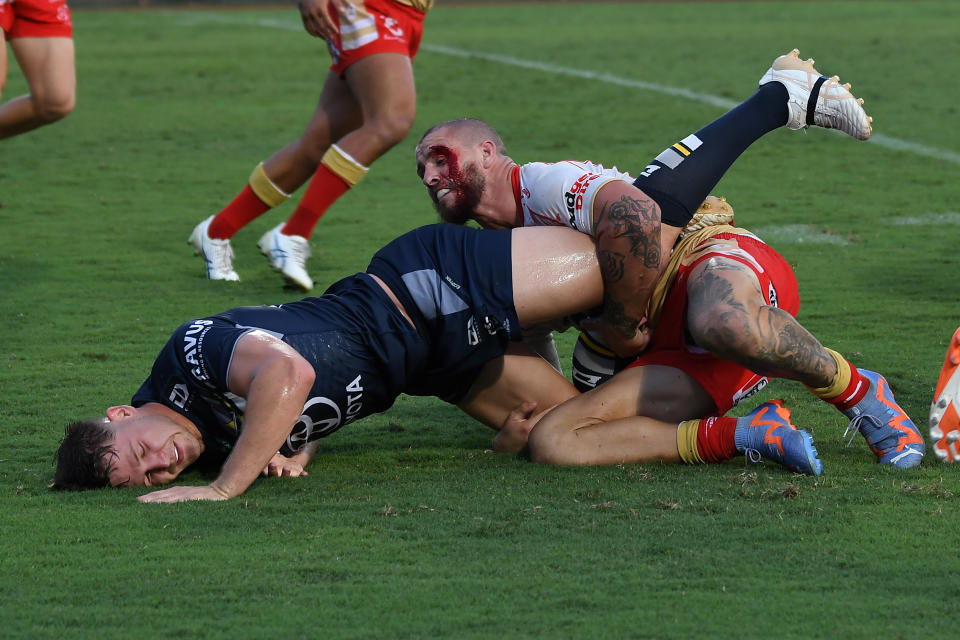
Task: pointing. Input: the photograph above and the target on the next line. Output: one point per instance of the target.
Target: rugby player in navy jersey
(437, 313)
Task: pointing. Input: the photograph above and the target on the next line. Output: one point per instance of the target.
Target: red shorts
(727, 382)
(380, 26)
(35, 19)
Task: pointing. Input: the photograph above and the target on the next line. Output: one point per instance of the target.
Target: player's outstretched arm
(276, 382)
(627, 232)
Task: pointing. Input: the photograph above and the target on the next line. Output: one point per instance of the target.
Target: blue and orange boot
(768, 431)
(888, 429)
(945, 409)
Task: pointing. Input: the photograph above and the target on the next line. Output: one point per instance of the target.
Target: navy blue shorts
(456, 283)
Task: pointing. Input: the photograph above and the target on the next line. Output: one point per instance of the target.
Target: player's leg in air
(945, 408)
(792, 93)
(41, 36)
(367, 106)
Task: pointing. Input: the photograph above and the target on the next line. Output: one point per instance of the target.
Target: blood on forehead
(450, 158)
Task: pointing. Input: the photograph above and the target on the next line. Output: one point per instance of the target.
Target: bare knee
(55, 107)
(550, 442)
(389, 127)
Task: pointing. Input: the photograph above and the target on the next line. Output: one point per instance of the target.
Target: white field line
(929, 220)
(878, 139)
(797, 234)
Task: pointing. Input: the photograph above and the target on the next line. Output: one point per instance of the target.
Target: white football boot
(288, 255)
(217, 253)
(816, 99)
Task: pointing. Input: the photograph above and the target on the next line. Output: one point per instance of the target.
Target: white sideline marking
(797, 234)
(929, 219)
(878, 139)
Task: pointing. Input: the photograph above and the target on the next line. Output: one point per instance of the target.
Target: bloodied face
(453, 179)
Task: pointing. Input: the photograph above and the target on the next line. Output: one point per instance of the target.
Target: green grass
(419, 531)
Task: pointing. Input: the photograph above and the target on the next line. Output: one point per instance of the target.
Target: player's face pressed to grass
(150, 450)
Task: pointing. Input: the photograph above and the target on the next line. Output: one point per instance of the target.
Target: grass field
(408, 527)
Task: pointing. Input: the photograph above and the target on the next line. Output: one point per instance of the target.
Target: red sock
(236, 215)
(853, 393)
(324, 189)
(715, 439)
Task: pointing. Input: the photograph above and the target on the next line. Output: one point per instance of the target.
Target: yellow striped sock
(340, 162)
(263, 187)
(687, 441)
(840, 382)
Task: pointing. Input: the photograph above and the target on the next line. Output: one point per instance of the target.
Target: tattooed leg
(727, 315)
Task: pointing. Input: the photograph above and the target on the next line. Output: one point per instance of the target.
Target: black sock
(681, 177)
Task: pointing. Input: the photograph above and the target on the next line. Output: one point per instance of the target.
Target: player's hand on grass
(516, 428)
(316, 15)
(282, 466)
(182, 494)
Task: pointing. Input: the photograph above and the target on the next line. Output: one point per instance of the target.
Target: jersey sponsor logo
(322, 416)
(574, 197)
(393, 28)
(192, 343)
(453, 284)
(753, 389)
(179, 395)
(473, 336)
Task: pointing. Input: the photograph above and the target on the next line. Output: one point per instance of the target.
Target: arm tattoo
(611, 265)
(768, 340)
(617, 317)
(639, 222)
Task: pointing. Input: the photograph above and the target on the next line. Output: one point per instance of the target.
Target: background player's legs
(3, 61)
(48, 65)
(337, 114)
(272, 182)
(383, 87)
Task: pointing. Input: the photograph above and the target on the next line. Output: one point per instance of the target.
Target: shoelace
(862, 419)
(751, 456)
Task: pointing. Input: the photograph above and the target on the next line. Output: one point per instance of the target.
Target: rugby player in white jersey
(727, 335)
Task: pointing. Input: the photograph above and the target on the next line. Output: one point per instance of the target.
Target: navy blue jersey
(455, 284)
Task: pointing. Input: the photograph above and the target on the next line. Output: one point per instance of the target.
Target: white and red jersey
(561, 193)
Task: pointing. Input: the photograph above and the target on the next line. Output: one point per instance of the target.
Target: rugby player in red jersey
(41, 36)
(367, 105)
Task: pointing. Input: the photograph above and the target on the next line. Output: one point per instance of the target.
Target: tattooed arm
(627, 230)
